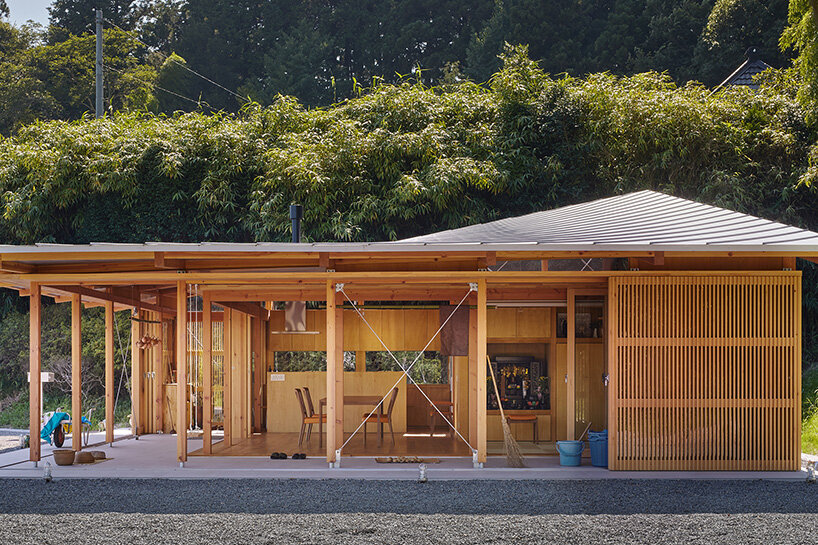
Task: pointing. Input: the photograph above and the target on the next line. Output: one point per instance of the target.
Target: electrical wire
(155, 86)
(222, 87)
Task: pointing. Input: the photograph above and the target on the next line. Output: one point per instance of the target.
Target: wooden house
(673, 324)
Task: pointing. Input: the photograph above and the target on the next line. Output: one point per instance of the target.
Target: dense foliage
(406, 159)
(322, 52)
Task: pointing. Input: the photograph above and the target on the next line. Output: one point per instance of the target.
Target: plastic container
(570, 452)
(599, 448)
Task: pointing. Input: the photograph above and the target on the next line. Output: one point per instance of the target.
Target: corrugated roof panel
(644, 217)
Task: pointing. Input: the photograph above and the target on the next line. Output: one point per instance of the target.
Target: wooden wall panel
(705, 372)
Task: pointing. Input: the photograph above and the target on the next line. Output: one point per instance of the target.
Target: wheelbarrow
(58, 424)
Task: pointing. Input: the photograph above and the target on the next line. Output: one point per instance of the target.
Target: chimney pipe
(295, 216)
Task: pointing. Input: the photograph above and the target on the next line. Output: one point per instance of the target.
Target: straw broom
(514, 458)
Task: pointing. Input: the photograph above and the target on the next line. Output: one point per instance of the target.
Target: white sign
(44, 376)
(276, 377)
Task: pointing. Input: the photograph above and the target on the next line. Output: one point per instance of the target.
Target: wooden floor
(414, 443)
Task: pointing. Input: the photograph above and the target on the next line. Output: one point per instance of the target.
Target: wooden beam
(181, 371)
(207, 374)
(16, 267)
(76, 373)
(659, 259)
(251, 309)
(35, 381)
(570, 349)
(323, 260)
(482, 335)
(109, 372)
(160, 262)
(114, 297)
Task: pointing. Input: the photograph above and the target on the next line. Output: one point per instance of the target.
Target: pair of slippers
(283, 456)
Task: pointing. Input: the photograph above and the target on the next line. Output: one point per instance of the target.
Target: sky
(23, 10)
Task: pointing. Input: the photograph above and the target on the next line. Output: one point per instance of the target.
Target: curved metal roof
(644, 218)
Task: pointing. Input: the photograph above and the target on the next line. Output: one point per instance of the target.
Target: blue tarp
(55, 420)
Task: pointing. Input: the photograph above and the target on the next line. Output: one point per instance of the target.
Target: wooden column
(136, 375)
(473, 376)
(207, 374)
(571, 364)
(76, 373)
(109, 372)
(227, 377)
(158, 376)
(181, 371)
(258, 371)
(482, 333)
(35, 379)
(335, 373)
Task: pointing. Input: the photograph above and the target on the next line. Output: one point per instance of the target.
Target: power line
(155, 86)
(186, 67)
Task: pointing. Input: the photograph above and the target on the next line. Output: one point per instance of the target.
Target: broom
(514, 458)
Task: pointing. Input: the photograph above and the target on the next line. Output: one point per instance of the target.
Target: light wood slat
(705, 372)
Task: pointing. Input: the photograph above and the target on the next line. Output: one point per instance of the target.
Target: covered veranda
(673, 324)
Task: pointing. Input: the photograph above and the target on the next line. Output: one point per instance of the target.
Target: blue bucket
(570, 452)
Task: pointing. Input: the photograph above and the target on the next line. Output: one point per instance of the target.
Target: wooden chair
(523, 419)
(386, 418)
(307, 420)
(310, 406)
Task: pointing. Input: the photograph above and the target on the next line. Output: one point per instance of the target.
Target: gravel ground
(463, 512)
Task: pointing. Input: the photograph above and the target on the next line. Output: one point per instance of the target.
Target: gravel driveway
(384, 512)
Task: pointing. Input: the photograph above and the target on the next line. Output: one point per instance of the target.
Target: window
(290, 362)
(431, 368)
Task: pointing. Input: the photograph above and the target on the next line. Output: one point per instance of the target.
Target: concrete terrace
(153, 456)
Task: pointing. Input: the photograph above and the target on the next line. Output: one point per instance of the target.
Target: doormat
(407, 460)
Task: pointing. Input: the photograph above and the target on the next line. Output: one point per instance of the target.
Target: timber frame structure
(696, 362)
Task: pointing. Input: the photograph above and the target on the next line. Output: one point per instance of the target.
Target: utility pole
(100, 106)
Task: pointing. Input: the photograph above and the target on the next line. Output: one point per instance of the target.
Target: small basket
(64, 457)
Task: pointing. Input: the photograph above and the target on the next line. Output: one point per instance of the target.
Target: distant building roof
(744, 74)
(645, 219)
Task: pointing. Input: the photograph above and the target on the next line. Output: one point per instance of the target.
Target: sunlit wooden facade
(691, 357)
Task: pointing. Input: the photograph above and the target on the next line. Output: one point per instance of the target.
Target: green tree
(734, 26)
(800, 36)
(77, 17)
(174, 81)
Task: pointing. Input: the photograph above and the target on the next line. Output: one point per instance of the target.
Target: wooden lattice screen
(705, 372)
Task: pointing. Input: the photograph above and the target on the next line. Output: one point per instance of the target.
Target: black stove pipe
(296, 213)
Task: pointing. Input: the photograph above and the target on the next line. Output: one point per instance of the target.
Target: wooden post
(335, 372)
(227, 367)
(35, 381)
(339, 371)
(158, 377)
(136, 375)
(570, 350)
(109, 372)
(482, 333)
(473, 376)
(181, 371)
(76, 373)
(207, 374)
(258, 370)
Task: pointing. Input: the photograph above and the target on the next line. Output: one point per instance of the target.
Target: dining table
(363, 401)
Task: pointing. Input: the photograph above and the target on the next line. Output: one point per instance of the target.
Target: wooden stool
(523, 419)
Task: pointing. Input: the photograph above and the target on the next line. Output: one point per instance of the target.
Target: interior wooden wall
(284, 412)
(705, 372)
